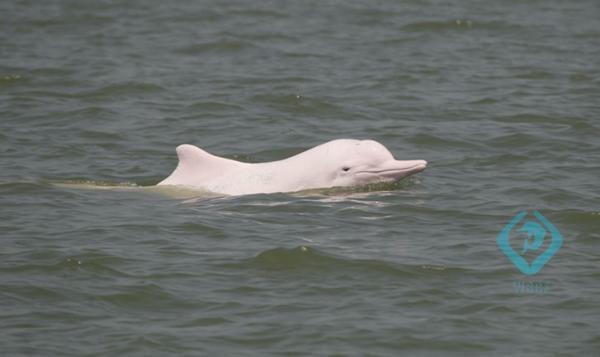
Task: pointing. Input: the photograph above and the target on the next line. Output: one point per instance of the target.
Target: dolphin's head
(359, 162)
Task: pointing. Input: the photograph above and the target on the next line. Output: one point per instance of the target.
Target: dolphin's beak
(396, 169)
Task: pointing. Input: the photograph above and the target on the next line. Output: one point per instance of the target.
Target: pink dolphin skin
(337, 163)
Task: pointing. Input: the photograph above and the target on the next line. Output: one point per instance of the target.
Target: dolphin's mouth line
(418, 167)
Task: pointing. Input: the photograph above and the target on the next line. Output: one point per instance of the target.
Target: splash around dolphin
(337, 163)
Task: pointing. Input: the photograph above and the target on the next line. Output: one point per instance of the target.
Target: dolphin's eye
(345, 168)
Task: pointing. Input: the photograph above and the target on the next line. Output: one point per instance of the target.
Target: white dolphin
(337, 163)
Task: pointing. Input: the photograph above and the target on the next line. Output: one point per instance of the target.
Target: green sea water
(501, 98)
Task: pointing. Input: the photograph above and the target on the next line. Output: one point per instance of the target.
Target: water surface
(501, 98)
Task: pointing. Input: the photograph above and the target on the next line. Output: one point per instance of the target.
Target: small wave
(223, 46)
(97, 264)
(574, 122)
(281, 258)
(360, 190)
(434, 140)
(87, 19)
(460, 24)
(304, 258)
(10, 79)
(256, 12)
(484, 101)
(436, 26)
(535, 74)
(91, 184)
(27, 292)
(113, 90)
(297, 103)
(213, 107)
(101, 135)
(514, 140)
(90, 111)
(585, 221)
(203, 321)
(141, 297)
(21, 187)
(122, 89)
(495, 159)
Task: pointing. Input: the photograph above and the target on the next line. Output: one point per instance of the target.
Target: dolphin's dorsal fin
(190, 155)
(197, 164)
(193, 157)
